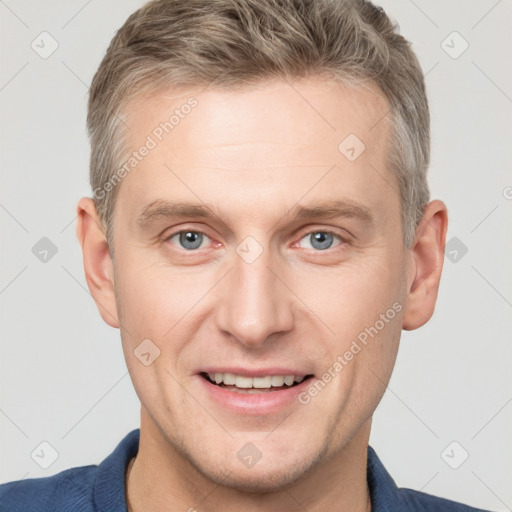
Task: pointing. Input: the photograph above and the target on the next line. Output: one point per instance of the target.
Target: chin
(260, 481)
(266, 476)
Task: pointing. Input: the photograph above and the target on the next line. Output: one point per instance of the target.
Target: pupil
(321, 240)
(191, 239)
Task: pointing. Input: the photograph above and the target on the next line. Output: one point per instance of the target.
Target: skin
(252, 155)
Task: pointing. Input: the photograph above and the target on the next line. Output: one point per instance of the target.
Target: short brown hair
(235, 43)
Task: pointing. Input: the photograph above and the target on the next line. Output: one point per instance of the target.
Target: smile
(243, 384)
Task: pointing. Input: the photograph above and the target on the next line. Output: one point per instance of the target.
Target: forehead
(325, 108)
(274, 142)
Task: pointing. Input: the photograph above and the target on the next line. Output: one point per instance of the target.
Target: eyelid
(343, 233)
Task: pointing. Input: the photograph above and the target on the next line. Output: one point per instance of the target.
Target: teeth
(230, 379)
(288, 380)
(277, 380)
(262, 382)
(243, 382)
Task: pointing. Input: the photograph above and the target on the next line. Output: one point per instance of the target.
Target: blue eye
(189, 240)
(192, 240)
(321, 240)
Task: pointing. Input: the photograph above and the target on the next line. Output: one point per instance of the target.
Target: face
(260, 238)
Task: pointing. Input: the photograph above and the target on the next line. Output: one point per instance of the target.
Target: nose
(256, 303)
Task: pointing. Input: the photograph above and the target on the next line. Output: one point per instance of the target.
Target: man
(260, 232)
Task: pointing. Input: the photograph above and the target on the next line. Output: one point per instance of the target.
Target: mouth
(254, 385)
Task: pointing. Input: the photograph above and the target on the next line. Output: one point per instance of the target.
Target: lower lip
(266, 402)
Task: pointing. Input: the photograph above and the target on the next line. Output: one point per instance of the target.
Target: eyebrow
(164, 209)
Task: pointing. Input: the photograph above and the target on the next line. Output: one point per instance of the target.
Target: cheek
(362, 305)
(352, 296)
(153, 302)
(144, 305)
(153, 295)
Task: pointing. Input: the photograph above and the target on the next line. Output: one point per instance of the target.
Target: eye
(321, 240)
(189, 240)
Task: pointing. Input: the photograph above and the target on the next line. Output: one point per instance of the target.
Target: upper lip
(255, 372)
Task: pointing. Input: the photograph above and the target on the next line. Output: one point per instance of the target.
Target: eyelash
(342, 239)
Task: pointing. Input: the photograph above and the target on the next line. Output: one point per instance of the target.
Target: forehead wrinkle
(255, 167)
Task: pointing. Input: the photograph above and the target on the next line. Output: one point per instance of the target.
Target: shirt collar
(384, 493)
(109, 488)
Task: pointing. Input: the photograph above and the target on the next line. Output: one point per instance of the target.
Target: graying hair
(238, 43)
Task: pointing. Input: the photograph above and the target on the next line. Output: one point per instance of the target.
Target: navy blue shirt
(102, 488)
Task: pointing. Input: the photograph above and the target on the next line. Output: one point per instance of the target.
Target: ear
(426, 264)
(98, 266)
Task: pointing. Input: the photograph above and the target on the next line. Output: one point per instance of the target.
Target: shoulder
(71, 489)
(420, 502)
(388, 497)
(81, 489)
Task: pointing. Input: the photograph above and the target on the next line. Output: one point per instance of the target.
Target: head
(277, 219)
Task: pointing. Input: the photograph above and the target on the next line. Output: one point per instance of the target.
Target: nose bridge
(255, 304)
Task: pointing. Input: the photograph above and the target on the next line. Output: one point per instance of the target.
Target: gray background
(63, 377)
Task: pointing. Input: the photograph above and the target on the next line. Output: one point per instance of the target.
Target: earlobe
(98, 266)
(427, 257)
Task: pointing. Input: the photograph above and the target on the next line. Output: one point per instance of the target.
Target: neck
(161, 478)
